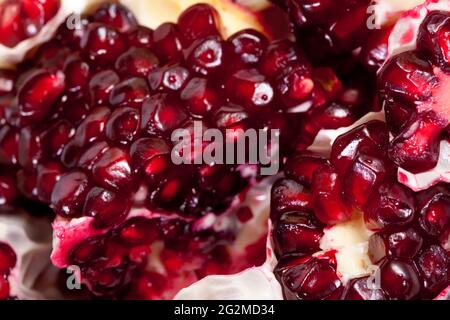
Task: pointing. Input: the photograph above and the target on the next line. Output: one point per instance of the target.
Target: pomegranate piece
(113, 169)
(399, 280)
(248, 46)
(20, 20)
(102, 44)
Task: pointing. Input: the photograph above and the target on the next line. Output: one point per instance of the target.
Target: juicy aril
(344, 228)
(87, 123)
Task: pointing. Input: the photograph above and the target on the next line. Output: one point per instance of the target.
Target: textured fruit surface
(87, 127)
(7, 262)
(406, 231)
(20, 20)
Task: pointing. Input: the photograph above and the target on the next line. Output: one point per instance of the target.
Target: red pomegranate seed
(102, 44)
(9, 145)
(362, 289)
(250, 88)
(288, 195)
(142, 37)
(434, 266)
(47, 175)
(248, 46)
(162, 113)
(8, 191)
(77, 75)
(167, 43)
(399, 280)
(136, 62)
(205, 56)
(130, 92)
(117, 16)
(101, 85)
(87, 250)
(297, 232)
(302, 167)
(432, 38)
(434, 209)
(200, 97)
(198, 22)
(7, 258)
(390, 205)
(139, 231)
(113, 169)
(91, 155)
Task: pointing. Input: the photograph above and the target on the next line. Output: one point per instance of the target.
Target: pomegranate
(344, 228)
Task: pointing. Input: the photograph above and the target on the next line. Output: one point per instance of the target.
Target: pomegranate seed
(113, 169)
(92, 127)
(123, 125)
(139, 231)
(87, 250)
(171, 77)
(248, 46)
(162, 113)
(390, 205)
(167, 43)
(297, 232)
(107, 207)
(91, 155)
(198, 22)
(314, 280)
(278, 55)
(302, 167)
(27, 184)
(205, 56)
(434, 208)
(47, 176)
(7, 258)
(361, 289)
(116, 16)
(77, 75)
(102, 44)
(399, 280)
(200, 97)
(142, 37)
(38, 94)
(250, 88)
(288, 195)
(327, 200)
(130, 92)
(434, 266)
(136, 62)
(69, 193)
(101, 84)
(9, 145)
(432, 38)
